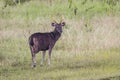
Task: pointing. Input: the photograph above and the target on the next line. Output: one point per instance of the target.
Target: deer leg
(49, 56)
(43, 57)
(33, 60)
(33, 57)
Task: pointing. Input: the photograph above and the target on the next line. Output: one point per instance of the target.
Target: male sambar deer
(45, 41)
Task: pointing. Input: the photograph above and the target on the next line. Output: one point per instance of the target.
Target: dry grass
(100, 33)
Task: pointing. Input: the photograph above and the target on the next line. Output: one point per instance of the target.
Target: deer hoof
(33, 66)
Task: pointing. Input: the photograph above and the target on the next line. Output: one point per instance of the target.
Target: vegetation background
(89, 48)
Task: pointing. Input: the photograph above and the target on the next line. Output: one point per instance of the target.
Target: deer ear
(63, 23)
(53, 24)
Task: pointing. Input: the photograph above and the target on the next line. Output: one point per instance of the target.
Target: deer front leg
(43, 57)
(49, 56)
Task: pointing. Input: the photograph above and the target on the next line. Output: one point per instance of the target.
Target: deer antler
(54, 21)
(62, 18)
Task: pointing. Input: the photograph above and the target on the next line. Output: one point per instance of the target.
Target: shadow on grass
(111, 78)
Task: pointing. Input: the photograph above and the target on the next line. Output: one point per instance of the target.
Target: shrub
(13, 2)
(111, 2)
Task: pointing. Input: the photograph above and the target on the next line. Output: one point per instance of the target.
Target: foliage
(70, 3)
(13, 2)
(111, 2)
(9, 2)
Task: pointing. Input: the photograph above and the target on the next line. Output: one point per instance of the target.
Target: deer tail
(31, 43)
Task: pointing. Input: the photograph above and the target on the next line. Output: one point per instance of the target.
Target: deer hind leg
(33, 60)
(43, 57)
(33, 57)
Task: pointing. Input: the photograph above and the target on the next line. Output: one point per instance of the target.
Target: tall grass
(89, 48)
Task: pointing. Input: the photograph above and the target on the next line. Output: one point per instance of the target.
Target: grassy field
(89, 48)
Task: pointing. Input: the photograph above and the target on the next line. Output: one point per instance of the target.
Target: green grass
(89, 48)
(65, 65)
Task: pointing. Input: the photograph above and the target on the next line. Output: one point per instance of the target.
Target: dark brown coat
(44, 41)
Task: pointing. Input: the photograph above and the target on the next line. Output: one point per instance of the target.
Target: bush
(13, 2)
(111, 2)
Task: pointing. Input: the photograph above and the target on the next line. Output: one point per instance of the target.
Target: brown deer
(45, 41)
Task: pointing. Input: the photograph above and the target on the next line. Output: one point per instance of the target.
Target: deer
(45, 41)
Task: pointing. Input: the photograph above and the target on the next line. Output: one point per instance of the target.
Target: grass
(89, 48)
(100, 65)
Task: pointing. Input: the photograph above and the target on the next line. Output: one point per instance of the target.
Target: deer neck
(56, 35)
